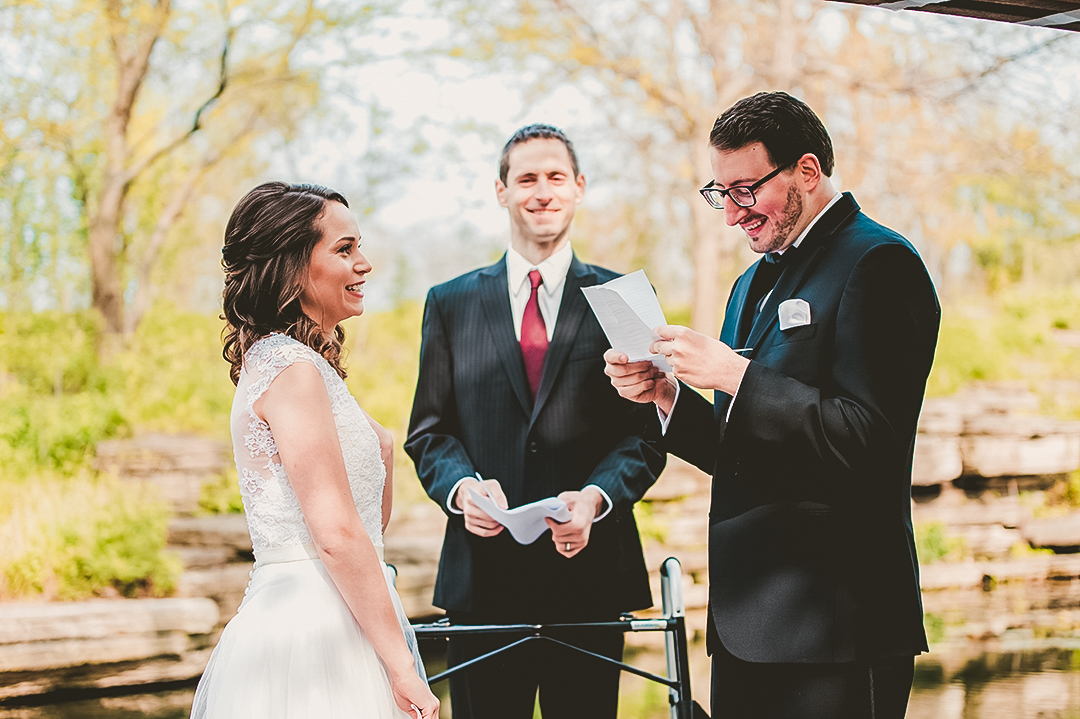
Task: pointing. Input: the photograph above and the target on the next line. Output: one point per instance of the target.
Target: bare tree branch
(1000, 63)
(196, 125)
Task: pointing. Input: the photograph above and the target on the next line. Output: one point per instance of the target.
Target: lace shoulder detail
(268, 357)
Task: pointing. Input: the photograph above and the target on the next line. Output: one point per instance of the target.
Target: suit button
(534, 447)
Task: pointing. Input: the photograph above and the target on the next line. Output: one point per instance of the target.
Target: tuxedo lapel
(495, 298)
(571, 313)
(796, 274)
(788, 283)
(731, 332)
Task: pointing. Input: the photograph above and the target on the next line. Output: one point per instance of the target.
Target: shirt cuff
(607, 501)
(665, 419)
(453, 492)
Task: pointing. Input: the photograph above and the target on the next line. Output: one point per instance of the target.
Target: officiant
(512, 402)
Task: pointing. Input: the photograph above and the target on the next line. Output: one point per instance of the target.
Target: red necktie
(534, 340)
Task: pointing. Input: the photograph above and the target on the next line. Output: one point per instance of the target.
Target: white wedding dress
(294, 650)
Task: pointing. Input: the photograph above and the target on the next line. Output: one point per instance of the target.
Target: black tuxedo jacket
(811, 549)
(472, 413)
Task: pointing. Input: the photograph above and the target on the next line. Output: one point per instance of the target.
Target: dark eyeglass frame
(715, 195)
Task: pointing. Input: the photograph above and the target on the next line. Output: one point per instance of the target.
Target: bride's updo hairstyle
(268, 245)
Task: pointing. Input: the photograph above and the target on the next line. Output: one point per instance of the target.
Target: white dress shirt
(553, 270)
(549, 295)
(666, 419)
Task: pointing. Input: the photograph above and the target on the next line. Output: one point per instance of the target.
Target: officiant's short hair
(785, 125)
(536, 131)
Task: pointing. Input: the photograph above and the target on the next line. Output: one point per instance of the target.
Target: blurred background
(130, 128)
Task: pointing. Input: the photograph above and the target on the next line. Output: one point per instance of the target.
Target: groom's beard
(789, 220)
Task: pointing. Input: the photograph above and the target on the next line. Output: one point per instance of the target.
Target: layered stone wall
(103, 643)
(984, 464)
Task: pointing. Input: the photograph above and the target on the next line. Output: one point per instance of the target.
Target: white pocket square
(794, 313)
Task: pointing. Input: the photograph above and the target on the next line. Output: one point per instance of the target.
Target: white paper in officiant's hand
(628, 311)
(525, 523)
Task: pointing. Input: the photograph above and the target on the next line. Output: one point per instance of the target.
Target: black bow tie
(777, 258)
(768, 272)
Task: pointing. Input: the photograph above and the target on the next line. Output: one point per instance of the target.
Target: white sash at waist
(295, 553)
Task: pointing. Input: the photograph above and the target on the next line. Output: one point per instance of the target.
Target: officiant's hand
(639, 381)
(572, 536)
(477, 520)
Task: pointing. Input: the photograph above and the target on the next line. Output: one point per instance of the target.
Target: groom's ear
(808, 172)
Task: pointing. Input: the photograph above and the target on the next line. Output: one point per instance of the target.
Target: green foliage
(650, 526)
(83, 537)
(383, 362)
(221, 494)
(54, 433)
(1020, 550)
(1014, 336)
(1070, 493)
(174, 377)
(51, 352)
(1061, 498)
(933, 544)
(59, 399)
(934, 624)
(68, 534)
(650, 700)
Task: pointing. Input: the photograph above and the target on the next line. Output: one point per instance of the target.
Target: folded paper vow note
(525, 523)
(628, 310)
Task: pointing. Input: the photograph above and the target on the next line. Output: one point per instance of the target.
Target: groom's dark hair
(786, 126)
(537, 131)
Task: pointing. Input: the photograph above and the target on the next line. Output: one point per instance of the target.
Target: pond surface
(1037, 683)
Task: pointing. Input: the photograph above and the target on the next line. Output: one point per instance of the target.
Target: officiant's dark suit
(475, 412)
(814, 601)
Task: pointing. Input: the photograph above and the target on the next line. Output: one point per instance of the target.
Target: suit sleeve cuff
(665, 419)
(731, 404)
(453, 493)
(607, 501)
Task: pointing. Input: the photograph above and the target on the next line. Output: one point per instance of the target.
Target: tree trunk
(143, 286)
(106, 293)
(132, 63)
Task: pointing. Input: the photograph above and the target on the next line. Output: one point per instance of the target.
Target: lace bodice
(273, 512)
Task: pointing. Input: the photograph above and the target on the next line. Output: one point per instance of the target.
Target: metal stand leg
(675, 643)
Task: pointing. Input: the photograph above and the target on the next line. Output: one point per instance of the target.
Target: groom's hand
(699, 360)
(477, 520)
(583, 506)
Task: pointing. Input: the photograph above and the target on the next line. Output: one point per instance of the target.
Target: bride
(321, 632)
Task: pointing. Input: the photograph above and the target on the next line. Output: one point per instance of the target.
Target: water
(1034, 683)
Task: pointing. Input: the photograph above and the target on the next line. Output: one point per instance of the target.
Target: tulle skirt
(294, 650)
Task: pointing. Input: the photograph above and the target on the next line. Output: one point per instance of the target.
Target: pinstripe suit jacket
(472, 413)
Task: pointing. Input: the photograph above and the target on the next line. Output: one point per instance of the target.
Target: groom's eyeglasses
(741, 196)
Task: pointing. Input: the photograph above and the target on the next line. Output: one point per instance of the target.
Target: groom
(819, 376)
(512, 400)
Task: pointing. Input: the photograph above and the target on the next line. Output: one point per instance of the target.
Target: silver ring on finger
(568, 546)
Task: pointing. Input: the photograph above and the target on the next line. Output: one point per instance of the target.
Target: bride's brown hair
(268, 244)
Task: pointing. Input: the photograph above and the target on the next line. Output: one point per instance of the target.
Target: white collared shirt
(549, 295)
(666, 419)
